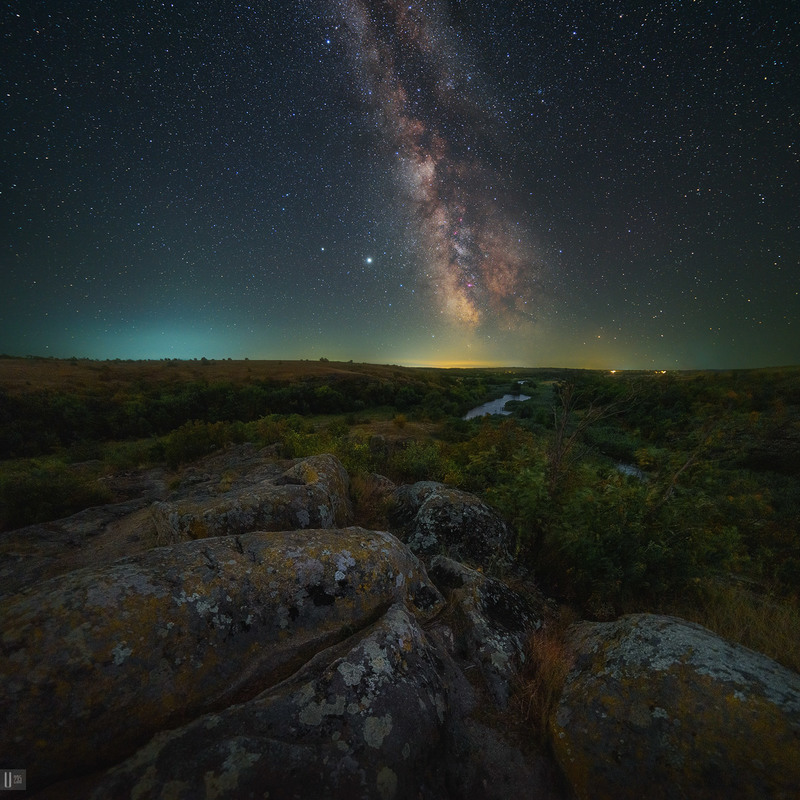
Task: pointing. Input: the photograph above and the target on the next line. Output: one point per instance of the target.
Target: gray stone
(364, 719)
(97, 535)
(662, 708)
(434, 519)
(491, 623)
(312, 493)
(96, 661)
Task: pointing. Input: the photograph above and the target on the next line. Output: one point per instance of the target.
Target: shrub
(196, 439)
(418, 461)
(615, 544)
(37, 491)
(354, 453)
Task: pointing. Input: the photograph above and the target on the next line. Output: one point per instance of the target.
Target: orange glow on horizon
(453, 364)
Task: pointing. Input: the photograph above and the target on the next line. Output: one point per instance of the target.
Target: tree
(570, 424)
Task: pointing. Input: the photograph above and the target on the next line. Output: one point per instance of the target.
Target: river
(495, 406)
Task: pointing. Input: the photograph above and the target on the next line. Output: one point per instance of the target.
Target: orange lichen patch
(312, 494)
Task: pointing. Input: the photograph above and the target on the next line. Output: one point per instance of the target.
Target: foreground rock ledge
(658, 707)
(365, 719)
(96, 661)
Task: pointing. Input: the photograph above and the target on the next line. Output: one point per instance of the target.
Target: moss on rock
(661, 708)
(117, 653)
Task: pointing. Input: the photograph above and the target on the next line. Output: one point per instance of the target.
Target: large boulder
(491, 623)
(387, 713)
(661, 708)
(95, 662)
(364, 719)
(312, 493)
(434, 519)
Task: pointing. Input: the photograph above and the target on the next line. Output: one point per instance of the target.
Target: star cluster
(607, 184)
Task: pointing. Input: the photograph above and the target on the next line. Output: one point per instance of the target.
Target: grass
(37, 490)
(19, 375)
(735, 612)
(541, 679)
(763, 623)
(371, 500)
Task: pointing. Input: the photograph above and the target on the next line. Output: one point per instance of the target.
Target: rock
(364, 719)
(491, 623)
(313, 493)
(97, 535)
(661, 708)
(434, 519)
(117, 653)
(486, 763)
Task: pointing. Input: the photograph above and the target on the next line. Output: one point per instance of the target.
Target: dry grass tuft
(766, 624)
(541, 679)
(371, 498)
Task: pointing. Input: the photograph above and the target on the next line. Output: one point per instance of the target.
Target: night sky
(577, 184)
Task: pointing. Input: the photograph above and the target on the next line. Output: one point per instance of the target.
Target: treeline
(645, 487)
(43, 421)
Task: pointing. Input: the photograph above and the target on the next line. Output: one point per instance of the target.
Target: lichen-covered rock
(362, 720)
(491, 623)
(658, 707)
(95, 535)
(313, 493)
(94, 662)
(486, 761)
(434, 519)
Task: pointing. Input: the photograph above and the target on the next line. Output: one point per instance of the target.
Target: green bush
(196, 439)
(40, 490)
(616, 544)
(418, 461)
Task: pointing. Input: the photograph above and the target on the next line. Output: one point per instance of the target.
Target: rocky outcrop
(121, 652)
(434, 519)
(312, 493)
(331, 662)
(491, 623)
(661, 708)
(385, 715)
(364, 719)
(229, 492)
(95, 535)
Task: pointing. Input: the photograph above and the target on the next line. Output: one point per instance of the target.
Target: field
(20, 375)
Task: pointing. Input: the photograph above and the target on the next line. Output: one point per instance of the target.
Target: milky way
(611, 184)
(470, 250)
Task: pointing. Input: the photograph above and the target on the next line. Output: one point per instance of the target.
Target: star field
(604, 185)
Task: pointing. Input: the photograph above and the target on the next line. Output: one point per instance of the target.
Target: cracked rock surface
(123, 651)
(364, 719)
(312, 493)
(435, 519)
(271, 649)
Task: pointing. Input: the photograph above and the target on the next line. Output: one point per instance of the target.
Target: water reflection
(495, 406)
